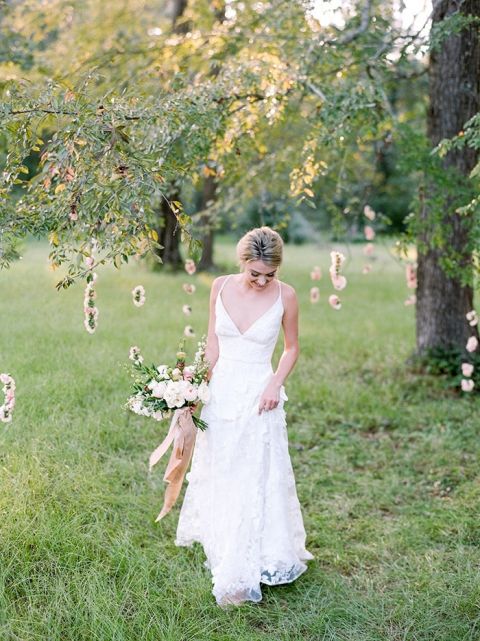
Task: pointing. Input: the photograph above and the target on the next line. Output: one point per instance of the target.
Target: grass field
(386, 464)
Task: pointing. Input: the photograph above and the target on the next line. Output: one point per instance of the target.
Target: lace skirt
(241, 502)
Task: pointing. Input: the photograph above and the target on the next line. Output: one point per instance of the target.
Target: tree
(292, 103)
(446, 239)
(167, 226)
(206, 222)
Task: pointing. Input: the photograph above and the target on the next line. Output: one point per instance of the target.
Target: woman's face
(258, 274)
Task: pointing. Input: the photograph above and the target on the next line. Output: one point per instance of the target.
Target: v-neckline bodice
(269, 309)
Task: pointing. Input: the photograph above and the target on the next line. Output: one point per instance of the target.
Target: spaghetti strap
(223, 285)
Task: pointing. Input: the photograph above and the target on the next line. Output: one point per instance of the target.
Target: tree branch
(354, 33)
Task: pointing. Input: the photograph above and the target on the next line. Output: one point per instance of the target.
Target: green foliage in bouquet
(160, 390)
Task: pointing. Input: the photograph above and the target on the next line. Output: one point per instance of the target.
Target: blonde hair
(261, 243)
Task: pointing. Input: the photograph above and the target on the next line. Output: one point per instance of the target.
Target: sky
(411, 12)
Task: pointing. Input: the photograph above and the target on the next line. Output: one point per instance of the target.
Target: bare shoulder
(218, 282)
(289, 295)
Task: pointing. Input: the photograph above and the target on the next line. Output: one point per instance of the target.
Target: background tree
(446, 240)
(167, 226)
(258, 93)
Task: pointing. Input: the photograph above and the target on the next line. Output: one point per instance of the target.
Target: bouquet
(163, 392)
(160, 390)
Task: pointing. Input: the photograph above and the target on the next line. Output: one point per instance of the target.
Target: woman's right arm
(211, 351)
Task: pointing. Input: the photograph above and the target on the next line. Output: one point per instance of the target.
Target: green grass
(386, 464)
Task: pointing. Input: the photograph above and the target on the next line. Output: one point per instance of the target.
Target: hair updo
(261, 243)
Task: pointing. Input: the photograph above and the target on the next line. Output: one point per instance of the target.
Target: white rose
(159, 389)
(173, 395)
(189, 392)
(203, 392)
(176, 374)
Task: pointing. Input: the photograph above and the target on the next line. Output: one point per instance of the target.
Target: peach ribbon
(182, 434)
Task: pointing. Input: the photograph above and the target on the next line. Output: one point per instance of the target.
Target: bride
(241, 502)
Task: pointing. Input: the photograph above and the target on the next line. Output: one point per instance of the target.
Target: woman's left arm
(271, 396)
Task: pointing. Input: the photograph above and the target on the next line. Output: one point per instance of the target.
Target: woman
(241, 502)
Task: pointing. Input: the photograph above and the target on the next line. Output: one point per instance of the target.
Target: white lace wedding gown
(241, 503)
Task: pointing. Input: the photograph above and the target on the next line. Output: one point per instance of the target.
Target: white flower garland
(339, 281)
(189, 288)
(89, 307)
(6, 410)
(467, 384)
(138, 295)
(369, 234)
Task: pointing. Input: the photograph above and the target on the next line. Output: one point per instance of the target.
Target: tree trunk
(170, 253)
(169, 235)
(206, 224)
(167, 223)
(454, 74)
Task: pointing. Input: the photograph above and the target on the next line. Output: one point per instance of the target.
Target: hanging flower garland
(472, 318)
(190, 267)
(334, 302)
(314, 294)
(188, 331)
(90, 309)
(369, 234)
(339, 281)
(138, 295)
(411, 278)
(472, 344)
(6, 410)
(467, 384)
(315, 275)
(369, 249)
(189, 288)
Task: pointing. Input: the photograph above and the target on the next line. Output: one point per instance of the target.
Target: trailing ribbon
(182, 434)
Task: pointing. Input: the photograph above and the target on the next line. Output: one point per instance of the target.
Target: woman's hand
(270, 398)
